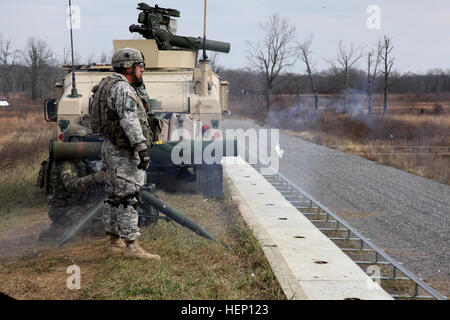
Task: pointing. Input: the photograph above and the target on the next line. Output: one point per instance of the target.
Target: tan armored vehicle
(191, 99)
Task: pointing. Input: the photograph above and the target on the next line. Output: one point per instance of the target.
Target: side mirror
(50, 110)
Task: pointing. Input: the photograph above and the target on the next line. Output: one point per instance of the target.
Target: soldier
(124, 152)
(72, 188)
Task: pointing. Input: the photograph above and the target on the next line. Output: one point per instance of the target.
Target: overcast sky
(420, 29)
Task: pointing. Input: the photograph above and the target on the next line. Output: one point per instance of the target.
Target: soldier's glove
(145, 159)
(99, 176)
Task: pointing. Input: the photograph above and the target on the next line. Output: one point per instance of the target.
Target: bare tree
(105, 57)
(7, 60)
(345, 61)
(213, 61)
(435, 79)
(373, 61)
(274, 54)
(388, 62)
(38, 56)
(295, 83)
(305, 54)
(91, 59)
(65, 58)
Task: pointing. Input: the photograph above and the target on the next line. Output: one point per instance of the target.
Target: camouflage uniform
(72, 192)
(123, 178)
(155, 123)
(143, 110)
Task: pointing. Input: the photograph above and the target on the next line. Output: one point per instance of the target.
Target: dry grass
(23, 135)
(40, 272)
(24, 138)
(18, 191)
(191, 268)
(417, 144)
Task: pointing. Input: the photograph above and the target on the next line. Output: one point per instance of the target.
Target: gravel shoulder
(406, 215)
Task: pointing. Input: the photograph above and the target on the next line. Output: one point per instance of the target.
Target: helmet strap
(125, 71)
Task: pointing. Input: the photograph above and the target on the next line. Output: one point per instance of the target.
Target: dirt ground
(29, 270)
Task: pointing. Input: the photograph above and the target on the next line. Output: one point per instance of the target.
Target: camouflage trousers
(66, 216)
(122, 184)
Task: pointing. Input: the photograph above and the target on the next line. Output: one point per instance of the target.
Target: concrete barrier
(306, 263)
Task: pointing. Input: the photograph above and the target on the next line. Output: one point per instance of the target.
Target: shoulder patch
(133, 97)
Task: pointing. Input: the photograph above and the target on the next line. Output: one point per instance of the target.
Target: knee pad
(128, 200)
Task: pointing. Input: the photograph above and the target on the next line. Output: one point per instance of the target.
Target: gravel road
(406, 215)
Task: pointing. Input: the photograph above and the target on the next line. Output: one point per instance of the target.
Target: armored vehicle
(187, 95)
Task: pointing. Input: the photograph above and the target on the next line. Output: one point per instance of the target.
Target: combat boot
(134, 250)
(116, 245)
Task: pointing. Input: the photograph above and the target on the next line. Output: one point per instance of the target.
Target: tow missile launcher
(190, 100)
(156, 23)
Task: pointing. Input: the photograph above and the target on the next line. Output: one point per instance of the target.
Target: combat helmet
(126, 58)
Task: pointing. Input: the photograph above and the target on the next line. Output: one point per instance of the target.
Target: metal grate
(394, 278)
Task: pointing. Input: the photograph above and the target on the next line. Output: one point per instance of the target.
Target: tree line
(434, 81)
(353, 70)
(33, 71)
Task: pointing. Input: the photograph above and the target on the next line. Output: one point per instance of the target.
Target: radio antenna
(74, 93)
(205, 57)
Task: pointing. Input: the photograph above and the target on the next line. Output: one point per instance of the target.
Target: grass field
(24, 138)
(191, 268)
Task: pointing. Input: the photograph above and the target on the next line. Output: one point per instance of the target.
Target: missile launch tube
(159, 153)
(175, 215)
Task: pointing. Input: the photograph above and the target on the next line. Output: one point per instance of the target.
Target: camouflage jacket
(155, 123)
(143, 111)
(71, 185)
(125, 102)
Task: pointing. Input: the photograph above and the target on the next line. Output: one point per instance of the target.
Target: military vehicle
(187, 95)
